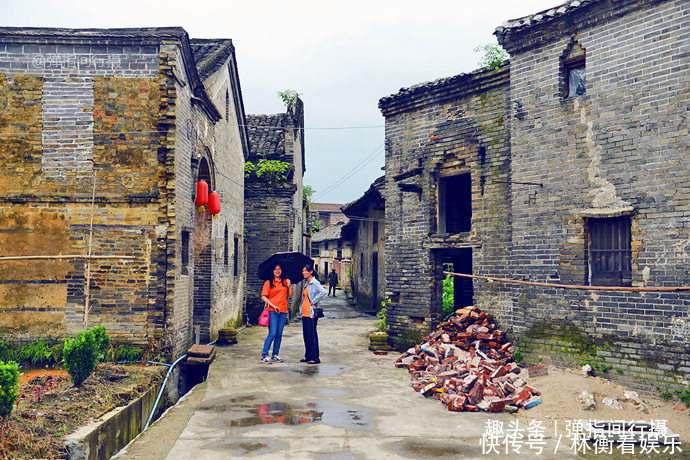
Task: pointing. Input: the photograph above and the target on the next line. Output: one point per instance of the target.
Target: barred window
(609, 252)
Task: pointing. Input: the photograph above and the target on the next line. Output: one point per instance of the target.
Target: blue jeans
(276, 323)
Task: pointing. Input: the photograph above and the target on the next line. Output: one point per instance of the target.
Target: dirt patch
(49, 407)
(561, 388)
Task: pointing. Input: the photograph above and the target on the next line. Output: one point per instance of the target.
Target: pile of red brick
(468, 364)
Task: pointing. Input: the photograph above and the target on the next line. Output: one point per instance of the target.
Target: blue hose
(172, 366)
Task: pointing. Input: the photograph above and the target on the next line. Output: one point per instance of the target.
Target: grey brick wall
(548, 165)
(452, 125)
(269, 220)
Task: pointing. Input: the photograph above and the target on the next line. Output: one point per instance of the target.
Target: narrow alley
(354, 405)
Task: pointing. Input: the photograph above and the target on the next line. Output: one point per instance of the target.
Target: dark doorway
(375, 279)
(462, 263)
(455, 204)
(201, 320)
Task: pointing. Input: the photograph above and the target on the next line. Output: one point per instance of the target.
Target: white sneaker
(266, 360)
(277, 359)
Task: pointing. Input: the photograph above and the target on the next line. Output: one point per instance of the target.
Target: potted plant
(378, 340)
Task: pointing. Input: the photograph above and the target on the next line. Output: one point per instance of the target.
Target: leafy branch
(287, 96)
(271, 172)
(493, 56)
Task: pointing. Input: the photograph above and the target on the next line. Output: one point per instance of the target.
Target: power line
(109, 133)
(354, 170)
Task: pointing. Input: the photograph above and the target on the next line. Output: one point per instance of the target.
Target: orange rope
(574, 286)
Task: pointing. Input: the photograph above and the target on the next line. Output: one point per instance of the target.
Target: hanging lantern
(214, 204)
(201, 194)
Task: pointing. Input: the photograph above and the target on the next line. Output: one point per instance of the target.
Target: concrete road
(354, 405)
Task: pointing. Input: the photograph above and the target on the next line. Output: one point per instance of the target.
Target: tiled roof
(375, 191)
(332, 232)
(513, 25)
(210, 54)
(444, 86)
(266, 138)
(325, 207)
(134, 33)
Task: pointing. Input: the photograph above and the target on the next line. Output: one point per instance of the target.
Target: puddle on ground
(249, 411)
(277, 412)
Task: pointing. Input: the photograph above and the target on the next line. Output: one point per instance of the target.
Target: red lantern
(213, 203)
(201, 194)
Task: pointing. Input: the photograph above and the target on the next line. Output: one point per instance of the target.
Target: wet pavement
(354, 405)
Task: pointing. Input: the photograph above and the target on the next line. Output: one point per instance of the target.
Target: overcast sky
(341, 57)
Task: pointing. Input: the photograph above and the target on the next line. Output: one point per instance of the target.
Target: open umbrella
(290, 262)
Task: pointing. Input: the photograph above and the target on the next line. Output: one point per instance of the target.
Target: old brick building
(366, 230)
(569, 167)
(331, 251)
(274, 213)
(143, 114)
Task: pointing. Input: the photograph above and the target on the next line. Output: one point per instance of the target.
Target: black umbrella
(290, 262)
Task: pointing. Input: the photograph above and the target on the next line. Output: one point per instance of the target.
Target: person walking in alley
(332, 282)
(275, 293)
(312, 293)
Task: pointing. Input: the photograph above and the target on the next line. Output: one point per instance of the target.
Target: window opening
(574, 72)
(609, 252)
(455, 204)
(226, 247)
(235, 257)
(185, 252)
(227, 105)
(374, 232)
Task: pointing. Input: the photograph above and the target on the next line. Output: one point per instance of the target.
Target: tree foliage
(307, 192)
(287, 96)
(493, 56)
(270, 172)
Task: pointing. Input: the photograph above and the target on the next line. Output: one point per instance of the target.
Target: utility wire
(109, 133)
(372, 156)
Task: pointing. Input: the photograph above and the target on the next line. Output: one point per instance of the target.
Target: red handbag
(263, 319)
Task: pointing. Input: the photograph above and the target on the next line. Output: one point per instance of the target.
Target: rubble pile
(468, 364)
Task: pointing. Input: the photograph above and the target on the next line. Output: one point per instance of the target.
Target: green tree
(307, 192)
(287, 96)
(493, 56)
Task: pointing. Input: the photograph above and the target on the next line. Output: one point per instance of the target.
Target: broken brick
(536, 371)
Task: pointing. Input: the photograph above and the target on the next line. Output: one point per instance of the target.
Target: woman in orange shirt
(312, 294)
(275, 293)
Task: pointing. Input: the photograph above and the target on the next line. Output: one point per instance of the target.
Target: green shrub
(684, 396)
(448, 296)
(381, 323)
(80, 356)
(127, 353)
(102, 340)
(37, 353)
(8, 353)
(517, 355)
(57, 352)
(9, 386)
